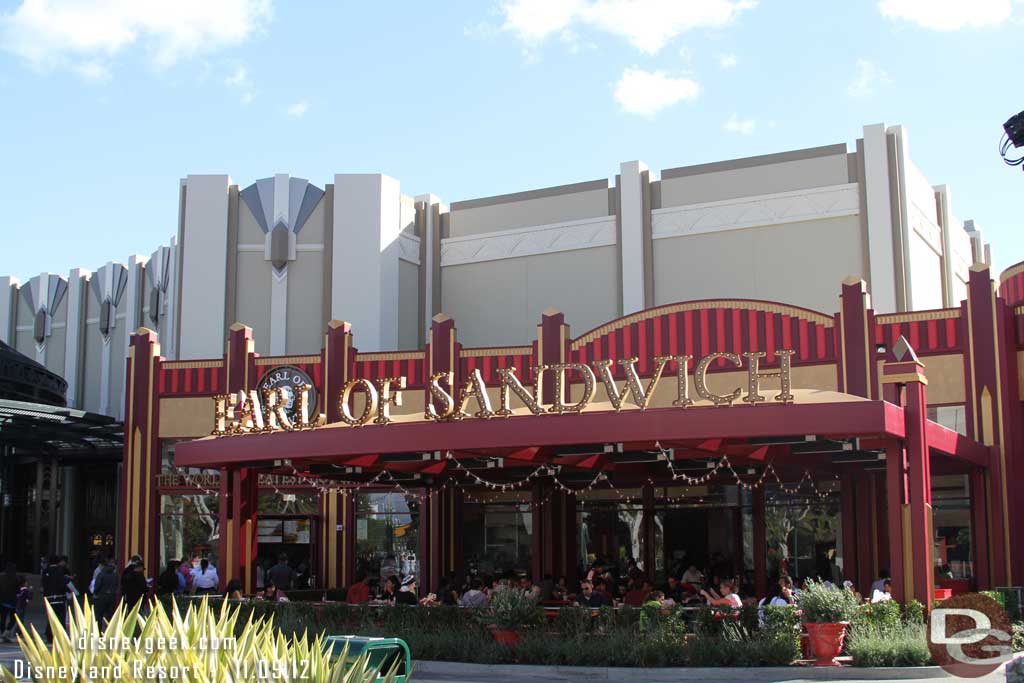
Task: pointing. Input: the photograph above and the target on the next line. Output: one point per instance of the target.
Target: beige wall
(528, 212)
(409, 334)
(802, 264)
(305, 311)
(500, 302)
(252, 306)
(93, 356)
(764, 179)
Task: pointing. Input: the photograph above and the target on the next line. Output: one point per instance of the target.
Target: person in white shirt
(883, 595)
(726, 596)
(693, 576)
(883, 576)
(204, 577)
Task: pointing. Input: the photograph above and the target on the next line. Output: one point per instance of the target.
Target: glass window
(288, 503)
(497, 536)
(953, 417)
(189, 526)
(803, 534)
(387, 534)
(610, 531)
(951, 519)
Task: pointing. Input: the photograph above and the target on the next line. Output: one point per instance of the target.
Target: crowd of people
(602, 584)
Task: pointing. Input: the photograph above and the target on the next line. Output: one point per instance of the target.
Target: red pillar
(240, 373)
(865, 540)
(979, 528)
(904, 369)
(139, 515)
(848, 515)
(244, 506)
(993, 418)
(857, 367)
(897, 500)
(552, 348)
(337, 533)
(760, 541)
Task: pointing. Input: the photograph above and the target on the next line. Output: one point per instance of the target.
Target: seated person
(674, 589)
(638, 595)
(693, 576)
(233, 590)
(725, 597)
(359, 592)
(272, 592)
(475, 596)
(883, 595)
(656, 599)
(407, 594)
(604, 588)
(588, 597)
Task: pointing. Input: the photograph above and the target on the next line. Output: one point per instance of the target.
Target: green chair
(383, 653)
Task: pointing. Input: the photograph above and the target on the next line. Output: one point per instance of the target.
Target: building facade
(257, 279)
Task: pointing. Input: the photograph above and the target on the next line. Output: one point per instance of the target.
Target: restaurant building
(888, 441)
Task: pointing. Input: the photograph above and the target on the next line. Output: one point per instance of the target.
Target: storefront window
(498, 535)
(387, 534)
(803, 533)
(951, 519)
(609, 524)
(288, 503)
(189, 527)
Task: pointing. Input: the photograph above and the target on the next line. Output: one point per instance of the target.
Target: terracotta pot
(827, 642)
(508, 637)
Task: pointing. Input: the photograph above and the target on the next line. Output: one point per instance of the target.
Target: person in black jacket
(133, 584)
(104, 591)
(167, 582)
(55, 590)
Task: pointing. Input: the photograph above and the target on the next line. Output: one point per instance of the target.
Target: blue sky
(106, 104)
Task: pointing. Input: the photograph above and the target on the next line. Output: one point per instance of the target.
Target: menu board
(270, 531)
(296, 531)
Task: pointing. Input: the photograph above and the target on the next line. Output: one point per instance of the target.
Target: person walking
(55, 591)
(104, 594)
(133, 583)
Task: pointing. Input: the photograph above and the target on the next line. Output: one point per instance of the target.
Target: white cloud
(741, 126)
(648, 92)
(727, 61)
(948, 15)
(869, 75)
(94, 72)
(297, 110)
(647, 24)
(84, 35)
(239, 80)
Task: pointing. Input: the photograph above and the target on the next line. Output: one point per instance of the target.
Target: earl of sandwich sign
(291, 408)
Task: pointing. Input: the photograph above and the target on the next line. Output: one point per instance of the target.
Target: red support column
(848, 517)
(538, 508)
(139, 514)
(865, 541)
(647, 528)
(552, 348)
(979, 528)
(240, 373)
(245, 504)
(880, 522)
(442, 353)
(897, 506)
(857, 371)
(905, 369)
(337, 531)
(568, 560)
(760, 541)
(993, 418)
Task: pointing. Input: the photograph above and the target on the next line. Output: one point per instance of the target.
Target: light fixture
(1013, 135)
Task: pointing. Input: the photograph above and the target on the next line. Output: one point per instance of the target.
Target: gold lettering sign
(249, 413)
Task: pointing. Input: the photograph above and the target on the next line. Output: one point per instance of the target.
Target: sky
(106, 104)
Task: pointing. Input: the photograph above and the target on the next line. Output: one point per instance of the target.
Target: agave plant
(200, 645)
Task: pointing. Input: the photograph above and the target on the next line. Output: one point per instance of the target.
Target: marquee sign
(286, 397)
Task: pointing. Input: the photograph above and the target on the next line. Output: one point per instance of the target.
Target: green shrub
(510, 609)
(879, 615)
(913, 612)
(573, 622)
(903, 645)
(1015, 671)
(823, 605)
(1018, 636)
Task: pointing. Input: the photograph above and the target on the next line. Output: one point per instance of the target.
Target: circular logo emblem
(969, 635)
(291, 379)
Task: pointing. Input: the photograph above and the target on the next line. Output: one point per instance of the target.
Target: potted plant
(508, 611)
(827, 612)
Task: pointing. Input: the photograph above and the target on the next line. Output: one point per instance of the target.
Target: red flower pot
(505, 636)
(827, 642)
